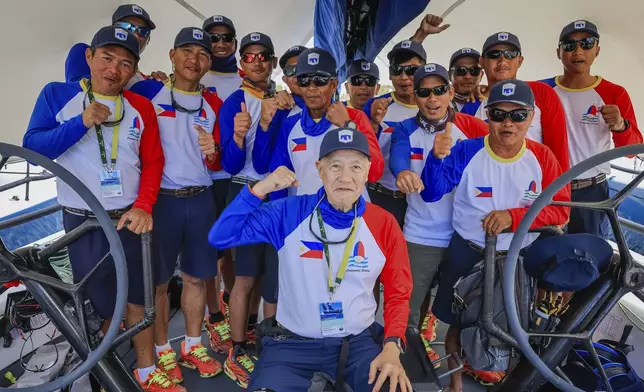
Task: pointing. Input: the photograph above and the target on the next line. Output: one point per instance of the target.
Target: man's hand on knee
(389, 366)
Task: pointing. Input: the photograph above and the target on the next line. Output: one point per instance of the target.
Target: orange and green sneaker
(198, 358)
(428, 330)
(167, 362)
(484, 377)
(239, 366)
(224, 306)
(251, 337)
(219, 335)
(158, 381)
(431, 354)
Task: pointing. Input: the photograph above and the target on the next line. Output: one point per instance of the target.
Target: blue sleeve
(550, 82)
(367, 107)
(45, 134)
(76, 67)
(233, 158)
(471, 107)
(400, 148)
(265, 142)
(441, 176)
(147, 88)
(281, 156)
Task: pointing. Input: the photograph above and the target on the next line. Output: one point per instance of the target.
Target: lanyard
(115, 136)
(334, 284)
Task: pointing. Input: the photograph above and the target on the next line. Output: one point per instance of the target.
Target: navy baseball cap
(430, 69)
(501, 38)
(344, 139)
(256, 38)
(408, 46)
(218, 20)
(364, 67)
(583, 26)
(126, 10)
(464, 52)
(316, 61)
(511, 91)
(111, 35)
(193, 35)
(293, 51)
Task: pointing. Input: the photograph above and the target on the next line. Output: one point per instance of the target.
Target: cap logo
(345, 136)
(503, 36)
(365, 66)
(120, 34)
(197, 34)
(430, 68)
(137, 10)
(405, 44)
(580, 24)
(466, 51)
(313, 59)
(293, 48)
(217, 18)
(508, 89)
(255, 37)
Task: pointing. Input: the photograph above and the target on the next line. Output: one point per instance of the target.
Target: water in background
(26, 233)
(632, 209)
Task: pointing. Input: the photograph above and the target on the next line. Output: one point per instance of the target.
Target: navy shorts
(583, 220)
(220, 194)
(181, 226)
(89, 249)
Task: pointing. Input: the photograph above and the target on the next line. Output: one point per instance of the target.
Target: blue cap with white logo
(344, 139)
(218, 20)
(127, 10)
(408, 46)
(364, 67)
(501, 38)
(111, 35)
(511, 91)
(293, 51)
(579, 26)
(316, 61)
(430, 69)
(193, 36)
(464, 52)
(256, 38)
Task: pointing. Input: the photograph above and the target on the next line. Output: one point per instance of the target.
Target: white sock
(160, 349)
(145, 372)
(191, 342)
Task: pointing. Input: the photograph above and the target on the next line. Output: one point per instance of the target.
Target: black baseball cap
(511, 91)
(316, 61)
(464, 52)
(408, 46)
(111, 35)
(430, 69)
(218, 20)
(293, 51)
(256, 38)
(501, 38)
(344, 139)
(126, 10)
(364, 67)
(193, 35)
(581, 25)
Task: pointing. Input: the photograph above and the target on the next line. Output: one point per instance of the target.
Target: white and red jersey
(484, 182)
(588, 133)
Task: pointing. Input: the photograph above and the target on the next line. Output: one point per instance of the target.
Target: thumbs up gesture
(206, 142)
(241, 125)
(443, 142)
(379, 109)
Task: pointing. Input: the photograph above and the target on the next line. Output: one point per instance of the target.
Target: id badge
(332, 318)
(111, 185)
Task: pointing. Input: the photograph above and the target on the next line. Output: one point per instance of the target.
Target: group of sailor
(168, 154)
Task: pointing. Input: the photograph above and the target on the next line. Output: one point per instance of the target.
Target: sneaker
(431, 354)
(251, 337)
(219, 336)
(224, 306)
(158, 381)
(168, 364)
(428, 330)
(238, 366)
(484, 377)
(198, 358)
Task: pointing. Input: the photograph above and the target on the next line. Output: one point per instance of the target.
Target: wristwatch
(350, 124)
(627, 124)
(398, 341)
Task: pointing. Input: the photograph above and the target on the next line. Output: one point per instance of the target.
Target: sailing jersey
(396, 113)
(185, 165)
(379, 249)
(56, 130)
(427, 224)
(588, 133)
(484, 182)
(548, 124)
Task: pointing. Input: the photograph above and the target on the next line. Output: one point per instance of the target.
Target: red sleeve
(553, 122)
(215, 103)
(150, 153)
(364, 126)
(396, 273)
(471, 126)
(550, 169)
(613, 94)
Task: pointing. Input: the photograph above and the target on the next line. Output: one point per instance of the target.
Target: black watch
(350, 124)
(398, 341)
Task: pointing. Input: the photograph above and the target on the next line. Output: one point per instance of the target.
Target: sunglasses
(425, 92)
(462, 71)
(570, 45)
(142, 32)
(226, 37)
(397, 70)
(370, 81)
(263, 57)
(509, 54)
(289, 71)
(319, 81)
(516, 115)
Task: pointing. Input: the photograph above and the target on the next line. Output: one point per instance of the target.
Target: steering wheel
(544, 199)
(116, 250)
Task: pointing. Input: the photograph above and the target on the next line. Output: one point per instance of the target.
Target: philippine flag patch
(298, 144)
(311, 250)
(417, 153)
(483, 191)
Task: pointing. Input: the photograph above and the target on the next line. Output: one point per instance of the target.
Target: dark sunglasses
(264, 57)
(305, 80)
(509, 54)
(226, 37)
(397, 70)
(142, 32)
(425, 92)
(462, 71)
(368, 80)
(516, 115)
(570, 45)
(289, 71)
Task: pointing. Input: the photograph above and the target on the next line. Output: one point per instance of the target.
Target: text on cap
(255, 37)
(197, 34)
(365, 66)
(580, 24)
(405, 44)
(345, 136)
(313, 58)
(137, 10)
(503, 36)
(508, 89)
(120, 34)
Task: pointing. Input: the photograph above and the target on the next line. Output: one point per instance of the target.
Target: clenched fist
(337, 114)
(279, 179)
(241, 125)
(497, 221)
(284, 100)
(613, 117)
(409, 182)
(95, 114)
(379, 109)
(443, 142)
(269, 108)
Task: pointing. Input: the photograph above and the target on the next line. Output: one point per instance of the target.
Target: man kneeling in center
(332, 247)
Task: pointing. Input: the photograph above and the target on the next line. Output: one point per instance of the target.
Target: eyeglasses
(509, 54)
(368, 80)
(397, 70)
(462, 71)
(570, 45)
(516, 115)
(226, 37)
(263, 57)
(425, 92)
(318, 80)
(142, 32)
(289, 71)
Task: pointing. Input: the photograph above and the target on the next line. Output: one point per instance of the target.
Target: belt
(586, 182)
(183, 192)
(482, 250)
(377, 187)
(243, 180)
(113, 214)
